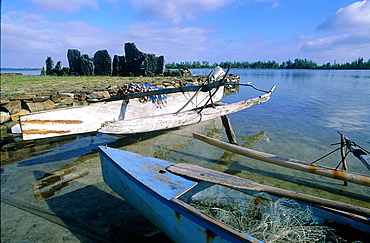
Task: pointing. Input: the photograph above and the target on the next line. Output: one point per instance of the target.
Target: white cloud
(354, 17)
(354, 41)
(176, 11)
(66, 6)
(28, 43)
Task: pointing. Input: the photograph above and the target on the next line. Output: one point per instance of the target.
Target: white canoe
(89, 118)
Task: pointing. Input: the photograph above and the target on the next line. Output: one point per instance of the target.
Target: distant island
(20, 68)
(296, 64)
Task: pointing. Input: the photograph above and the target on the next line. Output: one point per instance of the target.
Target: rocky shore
(37, 97)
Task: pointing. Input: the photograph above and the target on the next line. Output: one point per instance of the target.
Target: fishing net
(159, 100)
(259, 216)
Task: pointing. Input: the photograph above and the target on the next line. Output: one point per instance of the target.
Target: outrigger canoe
(313, 168)
(89, 118)
(193, 204)
(172, 120)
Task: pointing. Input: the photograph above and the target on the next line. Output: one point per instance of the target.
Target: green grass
(33, 84)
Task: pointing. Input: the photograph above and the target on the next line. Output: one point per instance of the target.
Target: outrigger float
(313, 168)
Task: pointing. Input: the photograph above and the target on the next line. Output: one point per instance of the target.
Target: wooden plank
(220, 178)
(288, 162)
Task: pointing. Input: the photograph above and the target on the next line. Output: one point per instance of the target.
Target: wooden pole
(343, 155)
(229, 130)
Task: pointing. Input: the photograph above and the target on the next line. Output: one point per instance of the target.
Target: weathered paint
(38, 121)
(45, 132)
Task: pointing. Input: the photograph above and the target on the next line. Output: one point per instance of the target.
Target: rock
(40, 98)
(56, 98)
(3, 129)
(79, 103)
(65, 95)
(133, 60)
(13, 106)
(48, 105)
(43, 71)
(4, 101)
(99, 95)
(74, 61)
(172, 73)
(119, 65)
(49, 65)
(4, 117)
(15, 117)
(65, 71)
(33, 107)
(16, 129)
(23, 97)
(66, 101)
(87, 65)
(58, 68)
(102, 63)
(139, 63)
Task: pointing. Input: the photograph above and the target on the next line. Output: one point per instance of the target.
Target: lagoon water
(301, 120)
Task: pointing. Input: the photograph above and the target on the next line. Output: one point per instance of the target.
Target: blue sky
(186, 30)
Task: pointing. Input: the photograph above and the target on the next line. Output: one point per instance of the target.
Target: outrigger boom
(289, 163)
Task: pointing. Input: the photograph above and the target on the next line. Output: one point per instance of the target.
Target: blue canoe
(169, 194)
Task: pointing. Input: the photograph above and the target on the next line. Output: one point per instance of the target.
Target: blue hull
(140, 181)
(145, 183)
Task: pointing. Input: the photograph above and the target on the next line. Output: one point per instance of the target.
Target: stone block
(66, 101)
(40, 98)
(13, 106)
(4, 116)
(48, 105)
(15, 117)
(33, 107)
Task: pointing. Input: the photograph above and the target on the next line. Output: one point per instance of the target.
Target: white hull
(83, 119)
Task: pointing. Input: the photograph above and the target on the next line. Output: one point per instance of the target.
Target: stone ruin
(133, 63)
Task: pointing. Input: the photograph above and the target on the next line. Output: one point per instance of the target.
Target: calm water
(300, 121)
(24, 72)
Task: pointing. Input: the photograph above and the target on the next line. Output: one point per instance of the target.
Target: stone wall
(133, 63)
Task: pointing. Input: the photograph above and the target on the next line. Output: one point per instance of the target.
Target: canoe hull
(89, 118)
(132, 179)
(168, 121)
(149, 185)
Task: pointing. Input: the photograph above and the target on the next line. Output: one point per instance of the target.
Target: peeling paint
(44, 131)
(39, 121)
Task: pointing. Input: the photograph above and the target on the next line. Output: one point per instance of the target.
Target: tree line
(296, 64)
